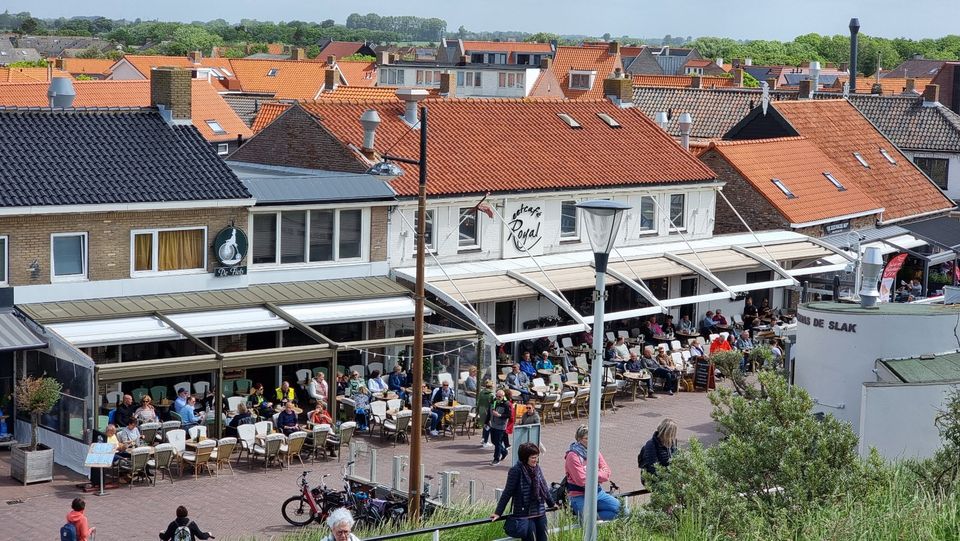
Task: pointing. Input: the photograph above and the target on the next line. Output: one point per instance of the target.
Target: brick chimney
(931, 95)
(195, 57)
(331, 60)
(448, 84)
(546, 63)
(58, 63)
(738, 77)
(170, 91)
(696, 81)
(911, 86)
(619, 89)
(772, 83)
(298, 54)
(806, 89)
(464, 59)
(614, 47)
(330, 79)
(876, 89)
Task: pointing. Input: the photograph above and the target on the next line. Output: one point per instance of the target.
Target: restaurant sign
(230, 247)
(836, 227)
(524, 223)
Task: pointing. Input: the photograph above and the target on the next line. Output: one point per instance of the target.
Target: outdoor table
(687, 335)
(576, 386)
(635, 378)
(545, 372)
(278, 408)
(662, 338)
(388, 395)
(725, 328)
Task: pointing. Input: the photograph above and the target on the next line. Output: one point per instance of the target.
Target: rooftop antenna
(765, 97)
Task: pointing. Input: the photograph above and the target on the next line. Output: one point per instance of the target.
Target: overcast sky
(740, 19)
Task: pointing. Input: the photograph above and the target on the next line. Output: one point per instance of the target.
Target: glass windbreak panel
(350, 233)
(72, 415)
(68, 255)
(321, 235)
(180, 250)
(293, 230)
(264, 238)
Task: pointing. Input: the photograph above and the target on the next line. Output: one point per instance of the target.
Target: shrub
(37, 396)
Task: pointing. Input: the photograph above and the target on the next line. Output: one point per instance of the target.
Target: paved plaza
(246, 505)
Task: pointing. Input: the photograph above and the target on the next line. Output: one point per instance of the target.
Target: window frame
(833, 180)
(783, 188)
(476, 232)
(308, 226)
(223, 149)
(84, 258)
(861, 160)
(652, 230)
(590, 75)
(431, 237)
(683, 213)
(889, 157)
(926, 171)
(575, 234)
(4, 260)
(155, 252)
(216, 127)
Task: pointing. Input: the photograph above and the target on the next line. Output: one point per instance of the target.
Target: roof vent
(61, 93)
(887, 155)
(370, 120)
(609, 120)
(783, 188)
(570, 121)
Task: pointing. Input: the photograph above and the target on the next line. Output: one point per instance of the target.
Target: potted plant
(36, 397)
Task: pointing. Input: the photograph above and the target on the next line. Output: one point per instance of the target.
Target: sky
(738, 19)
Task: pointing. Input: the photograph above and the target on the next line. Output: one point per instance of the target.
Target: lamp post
(416, 364)
(602, 220)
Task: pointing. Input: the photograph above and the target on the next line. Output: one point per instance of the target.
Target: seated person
(526, 365)
(518, 381)
(287, 420)
(188, 415)
(146, 413)
(719, 318)
(654, 326)
(376, 384)
(743, 342)
(696, 348)
(647, 331)
(361, 405)
(544, 362)
(285, 392)
(665, 360)
(320, 415)
(256, 401)
(686, 326)
(125, 411)
(470, 384)
(442, 395)
(610, 353)
(425, 402)
(397, 381)
(243, 417)
(353, 384)
(633, 363)
(623, 351)
(668, 327)
(129, 436)
(707, 325)
(650, 363)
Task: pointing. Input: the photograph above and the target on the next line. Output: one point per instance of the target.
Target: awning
(943, 232)
(15, 336)
(351, 311)
(486, 288)
(156, 368)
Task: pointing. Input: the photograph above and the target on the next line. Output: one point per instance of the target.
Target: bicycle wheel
(297, 511)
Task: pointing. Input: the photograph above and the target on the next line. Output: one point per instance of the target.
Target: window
(648, 214)
(677, 208)
(511, 80)
(569, 120)
(568, 220)
(69, 252)
(834, 181)
(216, 127)
(860, 159)
(316, 236)
(428, 238)
(468, 227)
(3, 260)
(476, 58)
(783, 188)
(935, 168)
(428, 77)
(468, 78)
(887, 155)
(165, 250)
(609, 120)
(496, 58)
(272, 72)
(223, 149)
(581, 80)
(391, 76)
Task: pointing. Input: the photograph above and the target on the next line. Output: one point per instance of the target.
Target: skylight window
(833, 180)
(783, 188)
(861, 159)
(216, 127)
(888, 156)
(609, 120)
(273, 72)
(570, 121)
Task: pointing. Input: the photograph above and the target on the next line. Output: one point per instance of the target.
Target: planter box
(31, 466)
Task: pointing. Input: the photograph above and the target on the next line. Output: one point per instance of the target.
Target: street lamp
(602, 219)
(416, 365)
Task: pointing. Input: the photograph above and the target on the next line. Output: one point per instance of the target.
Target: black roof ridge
(92, 109)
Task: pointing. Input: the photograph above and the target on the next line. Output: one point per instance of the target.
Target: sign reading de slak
(523, 229)
(230, 247)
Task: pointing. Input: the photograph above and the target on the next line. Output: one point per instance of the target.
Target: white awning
(351, 311)
(102, 332)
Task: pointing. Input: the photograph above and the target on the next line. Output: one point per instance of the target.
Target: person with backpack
(575, 467)
(183, 529)
(77, 528)
(659, 448)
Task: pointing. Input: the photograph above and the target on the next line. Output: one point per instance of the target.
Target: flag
(889, 277)
(483, 207)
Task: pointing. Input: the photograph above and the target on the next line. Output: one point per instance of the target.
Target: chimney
(843, 66)
(448, 84)
(748, 62)
(736, 63)
(61, 93)
(614, 47)
(911, 87)
(330, 79)
(931, 95)
(195, 57)
(58, 63)
(546, 63)
(738, 77)
(410, 98)
(394, 58)
(619, 89)
(170, 91)
(464, 59)
(814, 77)
(696, 82)
(876, 89)
(720, 61)
(685, 123)
(918, 56)
(370, 120)
(854, 30)
(806, 89)
(298, 54)
(331, 60)
(772, 83)
(384, 58)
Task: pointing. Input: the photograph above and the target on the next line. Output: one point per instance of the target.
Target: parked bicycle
(317, 503)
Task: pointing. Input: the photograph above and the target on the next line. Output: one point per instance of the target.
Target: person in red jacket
(77, 517)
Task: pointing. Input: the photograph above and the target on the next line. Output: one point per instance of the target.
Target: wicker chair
(343, 438)
(148, 431)
(317, 441)
(292, 447)
(221, 455)
(164, 456)
(607, 398)
(398, 425)
(136, 466)
(246, 437)
(200, 458)
(270, 449)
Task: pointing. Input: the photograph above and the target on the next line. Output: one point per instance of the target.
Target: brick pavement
(247, 505)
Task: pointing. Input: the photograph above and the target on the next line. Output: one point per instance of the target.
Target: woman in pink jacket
(575, 466)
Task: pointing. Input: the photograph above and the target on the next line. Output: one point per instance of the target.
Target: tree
(36, 397)
(605, 37)
(328, 23)
(462, 32)
(542, 37)
(29, 26)
(192, 38)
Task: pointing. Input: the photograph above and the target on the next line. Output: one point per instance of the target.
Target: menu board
(703, 375)
(100, 455)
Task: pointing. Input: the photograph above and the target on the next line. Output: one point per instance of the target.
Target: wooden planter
(31, 466)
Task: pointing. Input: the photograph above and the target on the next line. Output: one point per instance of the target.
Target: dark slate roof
(272, 186)
(246, 105)
(943, 231)
(917, 68)
(10, 54)
(909, 124)
(714, 111)
(106, 156)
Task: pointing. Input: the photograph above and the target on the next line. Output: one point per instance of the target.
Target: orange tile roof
(358, 73)
(361, 93)
(144, 63)
(293, 80)
(268, 112)
(207, 104)
(475, 144)
(24, 75)
(839, 129)
(507, 46)
(681, 81)
(89, 66)
(628, 50)
(698, 63)
(591, 58)
(275, 48)
(799, 165)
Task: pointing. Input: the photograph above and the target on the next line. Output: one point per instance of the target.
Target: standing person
(361, 405)
(659, 448)
(78, 520)
(317, 389)
(498, 419)
(184, 529)
(341, 523)
(527, 488)
(484, 400)
(575, 466)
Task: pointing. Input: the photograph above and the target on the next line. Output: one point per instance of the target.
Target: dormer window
(861, 159)
(833, 180)
(272, 72)
(783, 188)
(887, 155)
(216, 127)
(582, 80)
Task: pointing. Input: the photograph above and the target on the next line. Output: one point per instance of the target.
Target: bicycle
(310, 504)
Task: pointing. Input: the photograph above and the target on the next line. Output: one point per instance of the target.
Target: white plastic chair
(195, 431)
(304, 375)
(685, 355)
(358, 368)
(538, 382)
(234, 401)
(506, 369)
(678, 360)
(114, 397)
(566, 342)
(611, 337)
(464, 376)
(714, 336)
(623, 334)
(556, 379)
(675, 345)
(725, 335)
(246, 438)
(378, 411)
(662, 347)
(445, 377)
(375, 366)
(201, 387)
(177, 438)
(182, 385)
(262, 428)
(394, 404)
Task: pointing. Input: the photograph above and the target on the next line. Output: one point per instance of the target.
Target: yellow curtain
(180, 250)
(143, 252)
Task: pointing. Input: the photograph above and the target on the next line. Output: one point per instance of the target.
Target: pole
(596, 389)
(416, 428)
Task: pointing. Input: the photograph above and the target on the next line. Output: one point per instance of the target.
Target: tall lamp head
(602, 219)
(872, 266)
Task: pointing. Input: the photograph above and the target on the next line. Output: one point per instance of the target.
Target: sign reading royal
(523, 229)
(230, 247)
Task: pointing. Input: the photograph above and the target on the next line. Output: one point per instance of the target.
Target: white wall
(953, 169)
(124, 71)
(489, 81)
(898, 419)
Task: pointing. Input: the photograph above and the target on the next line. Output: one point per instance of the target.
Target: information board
(100, 455)
(703, 375)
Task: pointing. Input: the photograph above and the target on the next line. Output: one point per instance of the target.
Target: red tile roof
(507, 145)
(681, 81)
(593, 58)
(88, 66)
(24, 75)
(698, 63)
(340, 49)
(358, 73)
(800, 166)
(268, 112)
(360, 93)
(292, 79)
(207, 104)
(275, 48)
(630, 51)
(839, 129)
(506, 46)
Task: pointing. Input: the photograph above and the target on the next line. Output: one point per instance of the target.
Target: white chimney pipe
(686, 123)
(662, 120)
(872, 266)
(815, 77)
(370, 120)
(410, 98)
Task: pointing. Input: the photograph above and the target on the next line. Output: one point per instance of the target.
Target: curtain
(180, 250)
(143, 252)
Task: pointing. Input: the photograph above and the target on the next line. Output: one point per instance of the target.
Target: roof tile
(594, 58)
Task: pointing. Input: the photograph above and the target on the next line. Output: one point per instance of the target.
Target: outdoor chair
(675, 345)
(548, 407)
(623, 334)
(292, 447)
(337, 441)
(304, 375)
(425, 422)
(242, 386)
(326, 373)
(201, 388)
(610, 336)
(269, 449)
(398, 426)
(174, 416)
(556, 379)
(317, 441)
(200, 458)
(163, 458)
(378, 413)
(102, 422)
(565, 404)
(148, 431)
(581, 365)
(221, 455)
(445, 377)
(461, 416)
(607, 398)
(196, 431)
(139, 393)
(582, 402)
(234, 401)
(166, 425)
(635, 332)
(177, 438)
(114, 397)
(136, 466)
(226, 387)
(358, 368)
(263, 427)
(566, 342)
(158, 393)
(246, 437)
(394, 404)
(376, 366)
(182, 385)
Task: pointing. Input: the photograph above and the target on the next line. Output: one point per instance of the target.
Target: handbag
(518, 527)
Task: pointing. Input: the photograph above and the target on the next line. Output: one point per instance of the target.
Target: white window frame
(223, 149)
(476, 235)
(652, 230)
(683, 213)
(430, 240)
(833, 180)
(590, 75)
(396, 73)
(155, 256)
(863, 161)
(4, 260)
(783, 188)
(216, 127)
(575, 236)
(276, 264)
(84, 257)
(888, 156)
